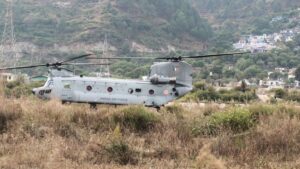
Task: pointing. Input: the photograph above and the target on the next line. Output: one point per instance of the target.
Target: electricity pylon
(8, 48)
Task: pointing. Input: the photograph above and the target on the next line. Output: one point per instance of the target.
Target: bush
(210, 94)
(293, 96)
(120, 153)
(262, 109)
(8, 113)
(201, 92)
(19, 88)
(136, 118)
(199, 86)
(280, 93)
(175, 109)
(237, 119)
(66, 131)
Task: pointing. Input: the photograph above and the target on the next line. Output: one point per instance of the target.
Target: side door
(67, 93)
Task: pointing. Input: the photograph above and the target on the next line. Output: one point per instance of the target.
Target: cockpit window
(49, 83)
(67, 86)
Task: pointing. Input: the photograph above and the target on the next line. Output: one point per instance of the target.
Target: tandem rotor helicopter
(169, 79)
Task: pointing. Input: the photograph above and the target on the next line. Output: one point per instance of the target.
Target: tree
(243, 86)
(297, 74)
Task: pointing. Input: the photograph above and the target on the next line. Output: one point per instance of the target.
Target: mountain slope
(147, 23)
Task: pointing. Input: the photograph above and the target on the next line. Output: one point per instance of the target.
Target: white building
(8, 77)
(272, 84)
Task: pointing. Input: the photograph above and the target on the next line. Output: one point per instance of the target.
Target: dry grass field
(47, 134)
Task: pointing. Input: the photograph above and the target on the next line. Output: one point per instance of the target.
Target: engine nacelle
(162, 80)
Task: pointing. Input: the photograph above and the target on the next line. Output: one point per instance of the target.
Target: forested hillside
(68, 27)
(154, 24)
(246, 16)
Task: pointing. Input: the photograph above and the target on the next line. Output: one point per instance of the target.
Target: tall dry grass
(47, 134)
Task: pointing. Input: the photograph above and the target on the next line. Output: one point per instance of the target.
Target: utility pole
(105, 69)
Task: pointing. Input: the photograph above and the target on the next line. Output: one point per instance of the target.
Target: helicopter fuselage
(110, 91)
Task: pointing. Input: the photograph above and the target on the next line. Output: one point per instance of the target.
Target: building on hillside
(291, 73)
(272, 84)
(8, 77)
(247, 82)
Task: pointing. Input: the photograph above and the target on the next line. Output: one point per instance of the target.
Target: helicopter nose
(33, 92)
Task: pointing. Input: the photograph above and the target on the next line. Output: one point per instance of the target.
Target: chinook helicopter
(169, 79)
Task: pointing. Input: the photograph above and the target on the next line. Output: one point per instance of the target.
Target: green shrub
(288, 110)
(262, 109)
(293, 96)
(175, 109)
(120, 153)
(19, 88)
(280, 93)
(199, 86)
(236, 119)
(210, 94)
(8, 113)
(136, 118)
(66, 131)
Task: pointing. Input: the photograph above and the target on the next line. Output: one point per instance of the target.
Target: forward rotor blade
(24, 67)
(84, 64)
(114, 58)
(75, 58)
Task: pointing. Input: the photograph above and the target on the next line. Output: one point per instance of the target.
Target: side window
(138, 90)
(89, 88)
(109, 89)
(151, 92)
(67, 86)
(130, 91)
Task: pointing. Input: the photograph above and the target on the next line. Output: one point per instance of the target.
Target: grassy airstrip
(47, 134)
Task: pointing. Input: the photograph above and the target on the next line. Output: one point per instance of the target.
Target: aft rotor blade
(215, 55)
(202, 56)
(75, 58)
(24, 67)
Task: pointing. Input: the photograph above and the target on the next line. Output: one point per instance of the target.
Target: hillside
(244, 16)
(48, 30)
(147, 23)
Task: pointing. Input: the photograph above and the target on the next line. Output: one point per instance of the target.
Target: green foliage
(200, 86)
(237, 120)
(280, 93)
(175, 109)
(262, 109)
(19, 88)
(297, 74)
(293, 96)
(210, 94)
(121, 153)
(136, 118)
(8, 114)
(201, 92)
